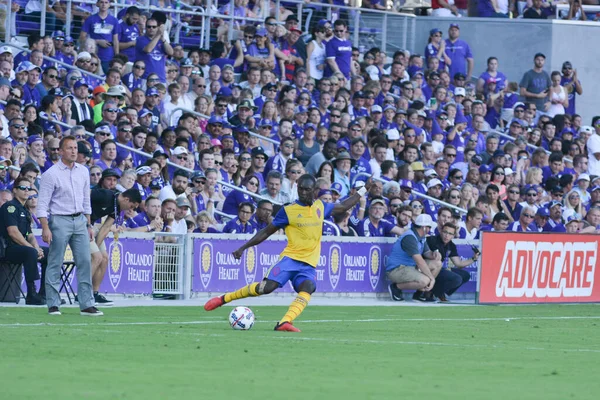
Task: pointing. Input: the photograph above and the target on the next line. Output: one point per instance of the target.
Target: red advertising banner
(539, 268)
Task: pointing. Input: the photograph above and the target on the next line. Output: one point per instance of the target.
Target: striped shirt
(64, 191)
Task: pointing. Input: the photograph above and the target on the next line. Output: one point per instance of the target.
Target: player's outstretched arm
(351, 201)
(260, 237)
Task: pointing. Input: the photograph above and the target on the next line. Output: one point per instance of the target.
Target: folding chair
(10, 281)
(66, 271)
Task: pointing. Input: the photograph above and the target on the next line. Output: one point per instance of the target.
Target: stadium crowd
(189, 127)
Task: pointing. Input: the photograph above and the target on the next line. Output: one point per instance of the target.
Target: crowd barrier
(539, 268)
(346, 265)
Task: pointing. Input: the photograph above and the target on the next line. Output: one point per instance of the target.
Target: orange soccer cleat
(215, 302)
(286, 327)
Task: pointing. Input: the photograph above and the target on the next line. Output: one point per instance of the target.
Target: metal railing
(188, 170)
(196, 113)
(56, 61)
(565, 7)
(416, 193)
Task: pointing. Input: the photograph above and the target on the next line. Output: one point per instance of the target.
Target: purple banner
(343, 266)
(129, 268)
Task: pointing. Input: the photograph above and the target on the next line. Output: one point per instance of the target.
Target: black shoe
(91, 312)
(54, 311)
(34, 300)
(395, 293)
(419, 296)
(428, 297)
(101, 300)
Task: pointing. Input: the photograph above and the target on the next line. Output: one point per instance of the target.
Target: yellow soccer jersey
(303, 228)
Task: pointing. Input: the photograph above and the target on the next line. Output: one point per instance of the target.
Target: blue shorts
(288, 269)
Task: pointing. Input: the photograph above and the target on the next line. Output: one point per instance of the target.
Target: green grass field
(542, 352)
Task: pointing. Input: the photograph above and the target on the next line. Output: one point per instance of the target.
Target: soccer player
(303, 224)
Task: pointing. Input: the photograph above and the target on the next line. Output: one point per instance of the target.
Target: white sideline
(220, 321)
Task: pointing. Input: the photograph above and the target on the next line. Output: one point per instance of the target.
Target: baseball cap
(454, 26)
(102, 129)
(434, 182)
(430, 172)
(5, 49)
(152, 92)
(508, 171)
(186, 62)
(583, 177)
(554, 203)
(215, 120)
(323, 192)
(484, 168)
(498, 153)
(389, 107)
(336, 187)
(84, 55)
(225, 92)
(4, 82)
(108, 173)
(261, 32)
(573, 218)
(216, 143)
(377, 201)
(182, 201)
(543, 212)
(323, 22)
(33, 139)
(358, 184)
(116, 91)
(144, 112)
(5, 161)
(58, 35)
(595, 188)
(159, 153)
(405, 183)
(539, 55)
(296, 30)
(180, 150)
(567, 64)
(417, 166)
(259, 151)
(291, 17)
(376, 109)
(587, 129)
(393, 134)
(247, 103)
(434, 31)
(310, 125)
(143, 170)
(477, 160)
(80, 83)
(423, 220)
(459, 91)
(198, 175)
(22, 67)
(301, 110)
(490, 80)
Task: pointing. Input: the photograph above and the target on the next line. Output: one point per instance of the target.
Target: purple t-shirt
(155, 60)
(458, 52)
(572, 94)
(500, 79)
(341, 51)
(128, 33)
(102, 29)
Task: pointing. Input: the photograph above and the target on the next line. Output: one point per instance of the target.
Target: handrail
(332, 6)
(224, 215)
(54, 60)
(418, 194)
(191, 171)
(527, 143)
(208, 117)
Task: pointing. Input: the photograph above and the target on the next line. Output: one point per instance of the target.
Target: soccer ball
(241, 318)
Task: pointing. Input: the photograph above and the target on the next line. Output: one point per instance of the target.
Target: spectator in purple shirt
(153, 50)
(129, 32)
(459, 52)
(104, 29)
(339, 51)
(243, 223)
(375, 225)
(572, 85)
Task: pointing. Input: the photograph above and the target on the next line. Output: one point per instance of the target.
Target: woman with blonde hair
(534, 176)
(572, 201)
(467, 200)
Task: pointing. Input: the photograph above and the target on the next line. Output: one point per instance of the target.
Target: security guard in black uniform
(21, 244)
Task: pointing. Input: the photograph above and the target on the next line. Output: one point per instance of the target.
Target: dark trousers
(28, 256)
(449, 280)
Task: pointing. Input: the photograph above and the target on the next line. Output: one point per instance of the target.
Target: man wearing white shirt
(593, 146)
(379, 157)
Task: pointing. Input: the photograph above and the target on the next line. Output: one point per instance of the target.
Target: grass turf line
(528, 358)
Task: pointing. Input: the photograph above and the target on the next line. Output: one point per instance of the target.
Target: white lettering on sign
(268, 259)
(138, 275)
(547, 269)
(227, 259)
(320, 274)
(355, 275)
(355, 261)
(144, 260)
(228, 274)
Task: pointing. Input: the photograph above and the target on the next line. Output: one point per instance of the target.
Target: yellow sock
(296, 308)
(247, 291)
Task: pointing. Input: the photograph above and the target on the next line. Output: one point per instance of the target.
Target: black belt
(72, 215)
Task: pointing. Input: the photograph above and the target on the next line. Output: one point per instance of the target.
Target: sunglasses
(126, 130)
(528, 215)
(18, 126)
(139, 67)
(34, 196)
(182, 158)
(253, 183)
(417, 207)
(513, 192)
(457, 177)
(151, 26)
(246, 159)
(104, 133)
(335, 116)
(201, 86)
(112, 110)
(27, 188)
(450, 155)
(218, 162)
(52, 76)
(531, 194)
(339, 30)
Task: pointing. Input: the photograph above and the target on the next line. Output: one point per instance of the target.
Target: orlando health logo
(335, 265)
(206, 258)
(115, 270)
(250, 265)
(374, 265)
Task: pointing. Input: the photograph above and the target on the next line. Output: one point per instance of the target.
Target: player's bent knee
(307, 286)
(267, 286)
